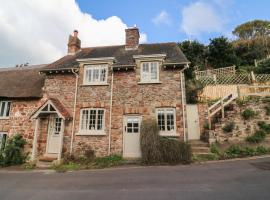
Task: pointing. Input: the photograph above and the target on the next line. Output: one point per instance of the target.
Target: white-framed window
(166, 121)
(4, 109)
(149, 72)
(92, 121)
(95, 74)
(3, 140)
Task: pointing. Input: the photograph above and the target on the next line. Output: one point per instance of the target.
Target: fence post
(238, 91)
(253, 77)
(222, 109)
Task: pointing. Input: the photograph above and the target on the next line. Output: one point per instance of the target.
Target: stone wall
(129, 97)
(19, 121)
(243, 128)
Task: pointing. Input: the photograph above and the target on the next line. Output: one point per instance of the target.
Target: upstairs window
(166, 121)
(92, 121)
(149, 72)
(4, 109)
(95, 74)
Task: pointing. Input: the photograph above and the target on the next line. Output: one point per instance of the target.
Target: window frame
(166, 132)
(5, 116)
(92, 132)
(149, 79)
(2, 145)
(92, 67)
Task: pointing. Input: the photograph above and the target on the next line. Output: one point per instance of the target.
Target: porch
(50, 121)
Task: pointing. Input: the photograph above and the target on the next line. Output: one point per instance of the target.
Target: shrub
(193, 90)
(174, 152)
(87, 157)
(248, 114)
(263, 126)
(150, 142)
(267, 110)
(13, 153)
(156, 149)
(261, 150)
(215, 149)
(233, 151)
(257, 137)
(229, 126)
(108, 161)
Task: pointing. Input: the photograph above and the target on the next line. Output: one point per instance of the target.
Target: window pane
(100, 119)
(103, 75)
(92, 124)
(154, 71)
(96, 75)
(8, 109)
(161, 120)
(145, 71)
(170, 121)
(2, 108)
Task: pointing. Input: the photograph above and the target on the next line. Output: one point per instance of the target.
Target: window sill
(4, 118)
(91, 133)
(169, 134)
(95, 84)
(144, 83)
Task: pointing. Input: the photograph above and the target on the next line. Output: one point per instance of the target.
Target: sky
(36, 31)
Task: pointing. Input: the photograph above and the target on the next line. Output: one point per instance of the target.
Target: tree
(252, 29)
(221, 53)
(195, 53)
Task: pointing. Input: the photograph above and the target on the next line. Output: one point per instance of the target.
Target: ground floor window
(166, 121)
(3, 139)
(92, 121)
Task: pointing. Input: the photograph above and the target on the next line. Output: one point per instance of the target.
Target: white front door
(193, 124)
(54, 131)
(131, 141)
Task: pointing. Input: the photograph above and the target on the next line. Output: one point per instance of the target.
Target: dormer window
(149, 72)
(4, 109)
(95, 74)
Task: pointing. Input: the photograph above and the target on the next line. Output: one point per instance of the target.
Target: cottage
(96, 97)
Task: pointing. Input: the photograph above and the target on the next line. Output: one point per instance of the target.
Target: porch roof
(51, 106)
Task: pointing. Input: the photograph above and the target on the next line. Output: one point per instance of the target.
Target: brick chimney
(132, 38)
(74, 43)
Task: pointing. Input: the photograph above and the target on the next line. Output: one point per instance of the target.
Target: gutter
(183, 100)
(74, 110)
(110, 128)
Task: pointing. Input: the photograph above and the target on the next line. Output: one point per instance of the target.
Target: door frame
(48, 134)
(124, 131)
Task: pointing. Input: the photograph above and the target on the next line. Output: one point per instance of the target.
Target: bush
(150, 142)
(229, 126)
(174, 152)
(13, 153)
(87, 157)
(156, 149)
(193, 89)
(248, 114)
(257, 137)
(236, 151)
(215, 149)
(108, 161)
(267, 110)
(264, 127)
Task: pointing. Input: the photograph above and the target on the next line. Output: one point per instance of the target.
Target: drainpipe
(74, 110)
(110, 128)
(183, 100)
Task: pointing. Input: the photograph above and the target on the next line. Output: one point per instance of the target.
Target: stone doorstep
(47, 159)
(200, 150)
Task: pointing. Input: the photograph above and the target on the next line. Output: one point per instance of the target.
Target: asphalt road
(245, 180)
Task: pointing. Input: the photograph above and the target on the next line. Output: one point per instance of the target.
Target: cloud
(203, 17)
(163, 18)
(37, 31)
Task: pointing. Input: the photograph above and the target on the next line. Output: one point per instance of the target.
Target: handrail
(219, 105)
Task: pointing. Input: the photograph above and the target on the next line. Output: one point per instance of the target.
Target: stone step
(47, 159)
(203, 144)
(196, 150)
(45, 165)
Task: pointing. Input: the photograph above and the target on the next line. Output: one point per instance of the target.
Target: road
(249, 179)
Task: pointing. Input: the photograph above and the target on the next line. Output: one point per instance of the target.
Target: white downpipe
(183, 101)
(110, 129)
(74, 111)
